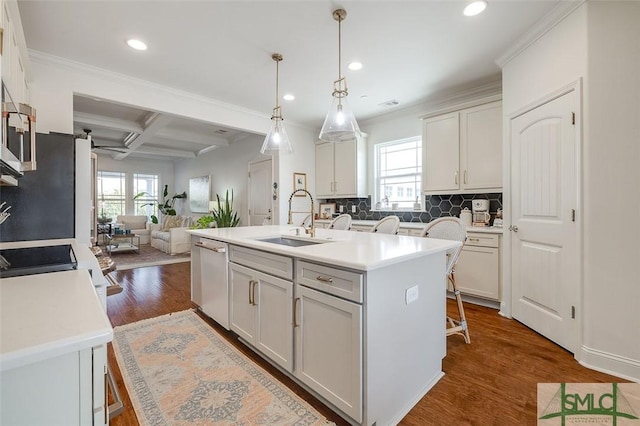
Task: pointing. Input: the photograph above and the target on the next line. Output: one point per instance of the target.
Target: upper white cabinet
(14, 57)
(341, 169)
(463, 151)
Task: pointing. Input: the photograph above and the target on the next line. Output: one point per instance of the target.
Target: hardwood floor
(492, 381)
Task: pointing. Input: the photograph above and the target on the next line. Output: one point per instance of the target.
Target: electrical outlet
(411, 294)
(353, 209)
(341, 209)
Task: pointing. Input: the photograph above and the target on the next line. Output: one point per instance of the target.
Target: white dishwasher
(210, 290)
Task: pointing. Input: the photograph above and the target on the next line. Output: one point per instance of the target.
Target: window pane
(399, 172)
(147, 203)
(111, 194)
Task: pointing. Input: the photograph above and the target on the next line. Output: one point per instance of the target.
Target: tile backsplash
(435, 206)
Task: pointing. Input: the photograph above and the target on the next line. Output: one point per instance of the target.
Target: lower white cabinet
(478, 267)
(329, 348)
(261, 312)
(69, 389)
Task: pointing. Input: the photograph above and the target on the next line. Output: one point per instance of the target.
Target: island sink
(291, 242)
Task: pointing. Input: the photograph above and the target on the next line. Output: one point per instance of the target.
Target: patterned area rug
(148, 256)
(179, 371)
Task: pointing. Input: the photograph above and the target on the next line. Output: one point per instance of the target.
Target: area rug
(179, 371)
(148, 256)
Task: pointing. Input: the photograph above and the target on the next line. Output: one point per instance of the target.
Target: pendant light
(277, 139)
(340, 124)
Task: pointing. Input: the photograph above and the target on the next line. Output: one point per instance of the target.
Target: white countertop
(357, 250)
(420, 225)
(47, 315)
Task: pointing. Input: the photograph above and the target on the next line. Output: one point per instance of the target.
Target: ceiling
(410, 50)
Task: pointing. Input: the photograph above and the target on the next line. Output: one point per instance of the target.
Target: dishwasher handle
(215, 249)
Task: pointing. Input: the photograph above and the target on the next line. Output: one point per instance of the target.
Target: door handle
(455, 178)
(324, 279)
(253, 293)
(295, 312)
(513, 228)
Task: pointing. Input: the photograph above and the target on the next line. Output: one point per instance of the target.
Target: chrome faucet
(312, 230)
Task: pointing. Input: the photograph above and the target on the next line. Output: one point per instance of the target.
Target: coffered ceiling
(411, 51)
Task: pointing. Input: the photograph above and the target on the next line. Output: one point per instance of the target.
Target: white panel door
(441, 153)
(329, 348)
(242, 315)
(345, 168)
(274, 298)
(260, 193)
(545, 263)
(324, 170)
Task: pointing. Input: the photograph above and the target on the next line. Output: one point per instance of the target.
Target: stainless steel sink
(291, 242)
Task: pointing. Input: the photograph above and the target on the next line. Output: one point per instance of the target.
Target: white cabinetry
(462, 150)
(341, 169)
(260, 309)
(68, 389)
(14, 57)
(478, 267)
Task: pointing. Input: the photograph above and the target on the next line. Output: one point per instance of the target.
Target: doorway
(260, 193)
(545, 251)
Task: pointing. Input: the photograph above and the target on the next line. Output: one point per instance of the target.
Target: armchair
(171, 236)
(137, 224)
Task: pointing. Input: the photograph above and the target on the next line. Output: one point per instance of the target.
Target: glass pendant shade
(276, 139)
(340, 124)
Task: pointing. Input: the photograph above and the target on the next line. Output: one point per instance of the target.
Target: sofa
(171, 234)
(137, 225)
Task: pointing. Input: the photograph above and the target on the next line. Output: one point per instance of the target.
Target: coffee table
(119, 243)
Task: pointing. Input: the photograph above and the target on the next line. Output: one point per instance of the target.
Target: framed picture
(299, 182)
(327, 210)
(199, 194)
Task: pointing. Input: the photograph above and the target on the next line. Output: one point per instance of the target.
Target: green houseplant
(224, 215)
(166, 206)
(203, 222)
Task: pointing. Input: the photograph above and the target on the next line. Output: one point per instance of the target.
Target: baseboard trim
(615, 365)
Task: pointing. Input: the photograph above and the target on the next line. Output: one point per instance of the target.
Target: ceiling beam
(191, 137)
(154, 124)
(92, 120)
(164, 152)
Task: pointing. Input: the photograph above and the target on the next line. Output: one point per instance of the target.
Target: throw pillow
(172, 222)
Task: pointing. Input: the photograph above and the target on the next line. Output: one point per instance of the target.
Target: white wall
(597, 43)
(228, 167)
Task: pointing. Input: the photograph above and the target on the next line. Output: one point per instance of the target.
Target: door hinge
(573, 312)
(573, 118)
(249, 174)
(573, 215)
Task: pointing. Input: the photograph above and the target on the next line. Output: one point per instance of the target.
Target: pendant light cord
(339, 48)
(277, 81)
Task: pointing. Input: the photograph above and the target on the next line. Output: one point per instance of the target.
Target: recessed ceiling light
(136, 44)
(364, 97)
(288, 97)
(355, 66)
(474, 8)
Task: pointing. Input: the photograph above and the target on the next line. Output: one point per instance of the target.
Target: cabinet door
(440, 142)
(329, 348)
(345, 168)
(478, 272)
(243, 313)
(481, 146)
(274, 337)
(324, 170)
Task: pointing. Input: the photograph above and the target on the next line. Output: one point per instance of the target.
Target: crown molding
(547, 23)
(38, 57)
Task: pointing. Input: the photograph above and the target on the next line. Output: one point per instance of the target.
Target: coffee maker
(480, 212)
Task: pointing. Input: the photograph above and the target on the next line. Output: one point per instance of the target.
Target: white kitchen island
(358, 318)
(53, 338)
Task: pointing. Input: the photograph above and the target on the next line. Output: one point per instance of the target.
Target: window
(398, 170)
(146, 204)
(111, 194)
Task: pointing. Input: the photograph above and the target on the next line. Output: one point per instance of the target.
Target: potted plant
(166, 206)
(103, 219)
(224, 215)
(204, 222)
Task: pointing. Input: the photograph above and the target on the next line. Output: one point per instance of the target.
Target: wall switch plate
(353, 209)
(411, 294)
(341, 209)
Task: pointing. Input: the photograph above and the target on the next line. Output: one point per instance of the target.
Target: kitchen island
(53, 335)
(357, 318)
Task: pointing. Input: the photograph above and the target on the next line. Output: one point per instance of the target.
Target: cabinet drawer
(482, 240)
(274, 264)
(345, 284)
